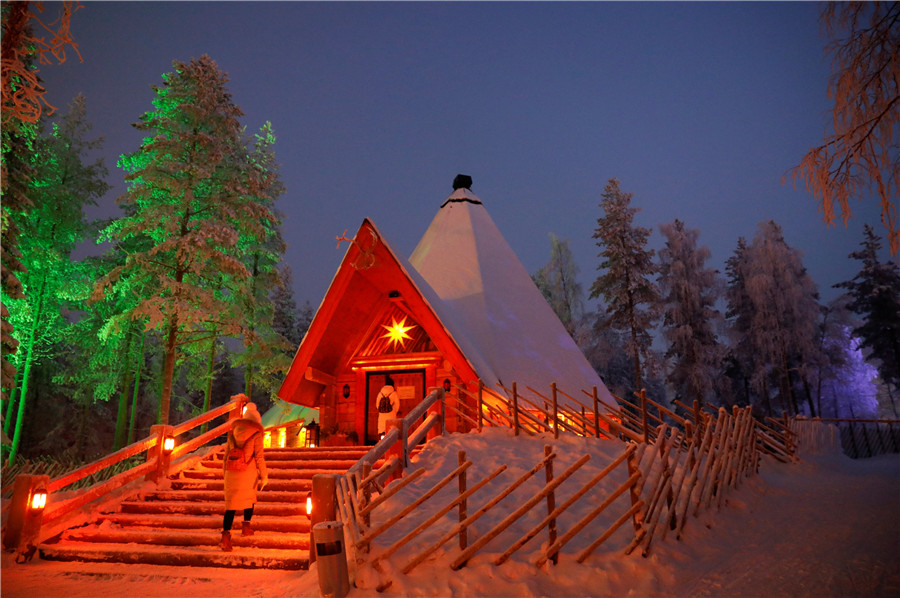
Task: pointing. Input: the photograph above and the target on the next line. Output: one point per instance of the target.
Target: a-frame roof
(466, 286)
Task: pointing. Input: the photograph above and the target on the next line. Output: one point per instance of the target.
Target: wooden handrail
(102, 463)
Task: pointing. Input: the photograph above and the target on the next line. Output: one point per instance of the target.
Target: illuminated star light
(396, 332)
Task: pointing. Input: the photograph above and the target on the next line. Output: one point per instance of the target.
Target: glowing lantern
(309, 504)
(168, 444)
(396, 332)
(38, 500)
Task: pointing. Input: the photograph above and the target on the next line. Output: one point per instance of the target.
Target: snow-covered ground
(826, 526)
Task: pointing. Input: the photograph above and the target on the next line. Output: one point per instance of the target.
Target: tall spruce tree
(631, 297)
(875, 296)
(690, 292)
(193, 194)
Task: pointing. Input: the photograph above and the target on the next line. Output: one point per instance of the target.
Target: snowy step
(294, 463)
(298, 487)
(273, 472)
(286, 524)
(215, 495)
(208, 508)
(191, 556)
(260, 539)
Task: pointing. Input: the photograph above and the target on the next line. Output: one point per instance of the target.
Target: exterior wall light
(38, 500)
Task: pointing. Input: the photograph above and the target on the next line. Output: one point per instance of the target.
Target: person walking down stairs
(245, 467)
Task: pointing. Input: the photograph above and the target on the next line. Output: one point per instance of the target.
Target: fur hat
(251, 412)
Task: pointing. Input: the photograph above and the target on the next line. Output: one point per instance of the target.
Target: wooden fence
(674, 468)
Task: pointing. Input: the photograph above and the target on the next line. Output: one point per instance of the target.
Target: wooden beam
(319, 377)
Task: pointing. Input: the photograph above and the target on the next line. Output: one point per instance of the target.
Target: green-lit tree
(194, 195)
(631, 297)
(63, 184)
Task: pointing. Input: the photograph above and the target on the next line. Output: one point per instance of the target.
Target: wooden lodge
(460, 311)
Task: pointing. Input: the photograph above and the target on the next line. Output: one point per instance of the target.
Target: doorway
(410, 386)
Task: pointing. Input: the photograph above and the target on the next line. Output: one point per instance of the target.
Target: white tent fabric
(492, 308)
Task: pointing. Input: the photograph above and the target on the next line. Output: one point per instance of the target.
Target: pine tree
(192, 194)
(690, 292)
(631, 297)
(557, 281)
(875, 296)
(64, 183)
(782, 310)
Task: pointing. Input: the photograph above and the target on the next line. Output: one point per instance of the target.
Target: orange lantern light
(168, 444)
(38, 500)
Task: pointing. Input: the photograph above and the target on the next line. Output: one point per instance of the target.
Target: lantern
(38, 500)
(312, 435)
(309, 504)
(168, 444)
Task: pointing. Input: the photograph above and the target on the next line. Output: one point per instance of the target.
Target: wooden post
(551, 501)
(238, 412)
(323, 506)
(643, 396)
(463, 504)
(480, 404)
(634, 493)
(555, 411)
(398, 449)
(23, 525)
(596, 412)
(697, 418)
(367, 494)
(161, 456)
(515, 413)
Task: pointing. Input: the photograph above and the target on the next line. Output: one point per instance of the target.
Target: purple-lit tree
(193, 194)
(848, 389)
(631, 297)
(875, 296)
(689, 293)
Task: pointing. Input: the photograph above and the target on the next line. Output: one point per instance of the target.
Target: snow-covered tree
(775, 303)
(193, 193)
(875, 296)
(689, 293)
(627, 266)
(848, 390)
(557, 281)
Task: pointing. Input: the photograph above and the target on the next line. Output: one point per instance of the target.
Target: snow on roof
(491, 306)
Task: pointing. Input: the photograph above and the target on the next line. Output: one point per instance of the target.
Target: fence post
(555, 411)
(26, 513)
(398, 449)
(515, 410)
(366, 492)
(159, 453)
(240, 400)
(551, 502)
(463, 504)
(643, 396)
(480, 404)
(633, 468)
(596, 413)
(323, 506)
(698, 421)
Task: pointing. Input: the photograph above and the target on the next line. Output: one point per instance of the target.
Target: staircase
(182, 525)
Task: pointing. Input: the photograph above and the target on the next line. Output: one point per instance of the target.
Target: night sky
(699, 109)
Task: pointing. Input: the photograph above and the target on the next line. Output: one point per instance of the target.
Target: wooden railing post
(463, 504)
(555, 411)
(646, 430)
(240, 400)
(515, 413)
(398, 449)
(596, 412)
(157, 453)
(480, 404)
(25, 515)
(551, 501)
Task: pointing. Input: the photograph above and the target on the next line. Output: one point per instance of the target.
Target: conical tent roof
(491, 305)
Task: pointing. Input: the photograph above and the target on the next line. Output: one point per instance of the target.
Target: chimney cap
(462, 181)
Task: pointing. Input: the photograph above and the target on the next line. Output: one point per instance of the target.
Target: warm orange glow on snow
(396, 332)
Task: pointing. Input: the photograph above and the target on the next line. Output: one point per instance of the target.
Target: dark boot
(226, 542)
(246, 529)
